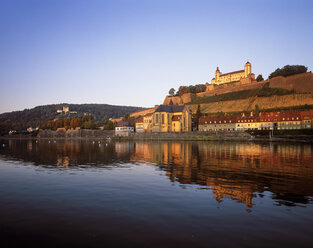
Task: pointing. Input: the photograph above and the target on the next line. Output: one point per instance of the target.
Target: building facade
(217, 123)
(262, 121)
(124, 128)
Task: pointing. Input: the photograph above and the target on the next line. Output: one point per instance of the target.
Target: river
(155, 194)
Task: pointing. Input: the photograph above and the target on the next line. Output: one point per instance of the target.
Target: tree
(67, 123)
(192, 89)
(89, 125)
(182, 90)
(126, 116)
(288, 70)
(171, 92)
(259, 78)
(109, 125)
(200, 88)
(85, 118)
(257, 109)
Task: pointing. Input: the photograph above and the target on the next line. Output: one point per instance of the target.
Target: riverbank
(188, 136)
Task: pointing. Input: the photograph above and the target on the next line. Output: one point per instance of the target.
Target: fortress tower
(247, 69)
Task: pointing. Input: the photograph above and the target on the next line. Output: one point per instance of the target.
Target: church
(171, 118)
(234, 76)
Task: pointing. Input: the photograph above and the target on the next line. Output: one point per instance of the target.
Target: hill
(33, 117)
(299, 83)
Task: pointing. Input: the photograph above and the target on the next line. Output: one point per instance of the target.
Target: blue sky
(132, 52)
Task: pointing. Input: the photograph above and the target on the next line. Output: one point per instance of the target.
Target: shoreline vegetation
(103, 135)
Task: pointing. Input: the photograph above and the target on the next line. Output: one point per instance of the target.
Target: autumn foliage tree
(83, 122)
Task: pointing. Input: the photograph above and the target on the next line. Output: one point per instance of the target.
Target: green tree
(171, 92)
(90, 124)
(126, 116)
(257, 109)
(182, 90)
(200, 88)
(109, 125)
(288, 70)
(259, 78)
(192, 89)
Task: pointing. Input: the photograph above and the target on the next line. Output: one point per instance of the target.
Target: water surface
(155, 194)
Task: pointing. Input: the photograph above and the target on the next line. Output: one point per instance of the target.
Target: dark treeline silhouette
(288, 70)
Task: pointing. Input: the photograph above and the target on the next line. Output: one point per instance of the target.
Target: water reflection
(238, 171)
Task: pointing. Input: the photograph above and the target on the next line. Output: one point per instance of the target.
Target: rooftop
(170, 108)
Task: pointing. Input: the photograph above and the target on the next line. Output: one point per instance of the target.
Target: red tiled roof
(218, 119)
(290, 116)
(270, 116)
(233, 72)
(307, 114)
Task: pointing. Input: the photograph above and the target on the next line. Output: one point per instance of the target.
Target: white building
(124, 129)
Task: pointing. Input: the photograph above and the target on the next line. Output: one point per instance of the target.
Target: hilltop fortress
(245, 80)
(234, 76)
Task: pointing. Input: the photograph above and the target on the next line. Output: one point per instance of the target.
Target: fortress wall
(177, 100)
(249, 104)
(187, 97)
(231, 87)
(302, 83)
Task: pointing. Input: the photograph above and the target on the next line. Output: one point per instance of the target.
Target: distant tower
(217, 75)
(247, 69)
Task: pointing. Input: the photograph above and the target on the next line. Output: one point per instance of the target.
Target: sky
(131, 52)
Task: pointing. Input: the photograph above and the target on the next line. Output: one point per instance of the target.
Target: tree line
(187, 89)
(84, 122)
